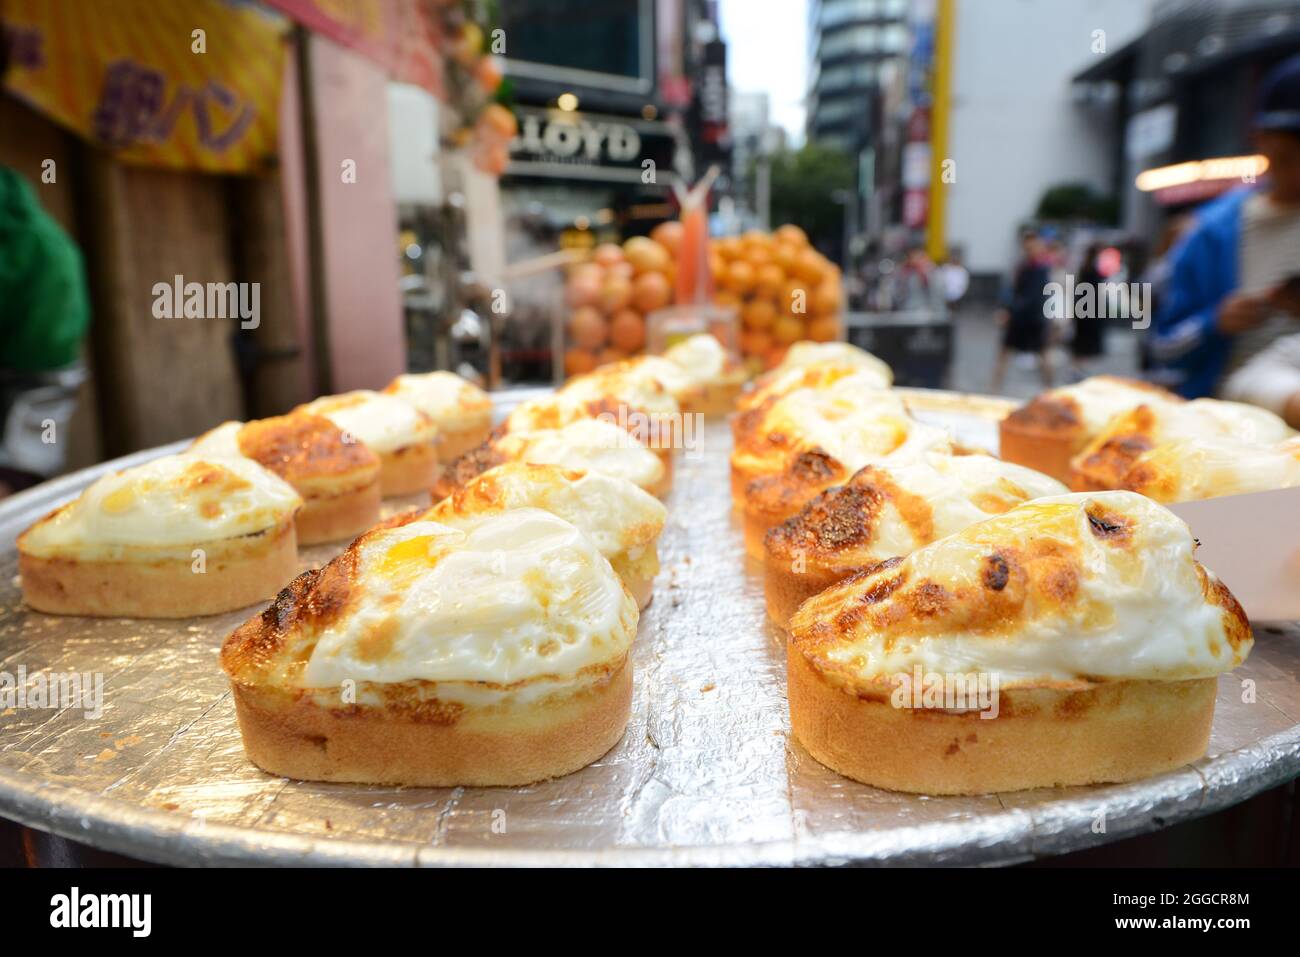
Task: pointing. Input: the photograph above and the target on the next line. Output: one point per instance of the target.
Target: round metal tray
(706, 774)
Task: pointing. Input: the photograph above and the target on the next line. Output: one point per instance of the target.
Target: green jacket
(44, 306)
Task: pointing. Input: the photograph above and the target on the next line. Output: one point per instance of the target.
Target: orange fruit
(728, 300)
(758, 314)
(717, 266)
(757, 256)
(608, 356)
(825, 329)
(794, 298)
(826, 299)
(787, 329)
(579, 362)
(498, 121)
(810, 267)
(646, 255)
(607, 254)
(791, 233)
(627, 330)
(768, 280)
(728, 247)
(488, 74)
(587, 328)
(668, 235)
(651, 291)
(584, 288)
(754, 342)
(739, 277)
(785, 255)
(615, 294)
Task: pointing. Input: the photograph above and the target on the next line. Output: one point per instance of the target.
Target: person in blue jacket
(1202, 309)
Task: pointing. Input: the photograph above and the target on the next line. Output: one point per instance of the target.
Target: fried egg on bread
(338, 480)
(623, 520)
(179, 536)
(716, 376)
(585, 445)
(884, 511)
(404, 438)
(1099, 634)
(460, 410)
(1107, 459)
(495, 652)
(850, 421)
(1047, 432)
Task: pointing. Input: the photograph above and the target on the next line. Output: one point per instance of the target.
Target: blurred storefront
(259, 158)
(1186, 89)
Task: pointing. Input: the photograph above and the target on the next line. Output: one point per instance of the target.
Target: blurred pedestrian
(919, 287)
(1228, 296)
(1088, 338)
(1023, 316)
(955, 280)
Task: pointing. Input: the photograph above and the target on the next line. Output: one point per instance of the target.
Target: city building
(1017, 124)
(854, 47)
(848, 42)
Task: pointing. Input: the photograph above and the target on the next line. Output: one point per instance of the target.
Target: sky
(767, 52)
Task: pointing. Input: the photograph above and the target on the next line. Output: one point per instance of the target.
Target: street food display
(488, 636)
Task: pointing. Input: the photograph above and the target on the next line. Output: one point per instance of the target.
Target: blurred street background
(218, 209)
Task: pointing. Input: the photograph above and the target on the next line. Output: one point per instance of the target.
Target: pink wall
(358, 220)
(293, 195)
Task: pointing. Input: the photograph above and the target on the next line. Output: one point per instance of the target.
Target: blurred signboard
(591, 146)
(190, 84)
(402, 36)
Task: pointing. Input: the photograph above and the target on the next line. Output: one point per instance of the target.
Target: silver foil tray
(706, 774)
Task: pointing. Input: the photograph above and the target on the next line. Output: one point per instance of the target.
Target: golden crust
(309, 452)
(769, 500)
(454, 747)
(1045, 433)
(459, 473)
(1107, 459)
(337, 517)
(1018, 580)
(237, 572)
(408, 470)
(454, 443)
(467, 467)
(1041, 737)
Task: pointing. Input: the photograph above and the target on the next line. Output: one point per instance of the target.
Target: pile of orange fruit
(610, 295)
(782, 289)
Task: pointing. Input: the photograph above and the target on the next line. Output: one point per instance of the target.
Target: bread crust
(411, 469)
(238, 572)
(332, 518)
(785, 590)
(713, 398)
(467, 746)
(1041, 737)
(454, 443)
(1041, 449)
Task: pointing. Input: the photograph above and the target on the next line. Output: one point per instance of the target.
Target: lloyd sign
(574, 144)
